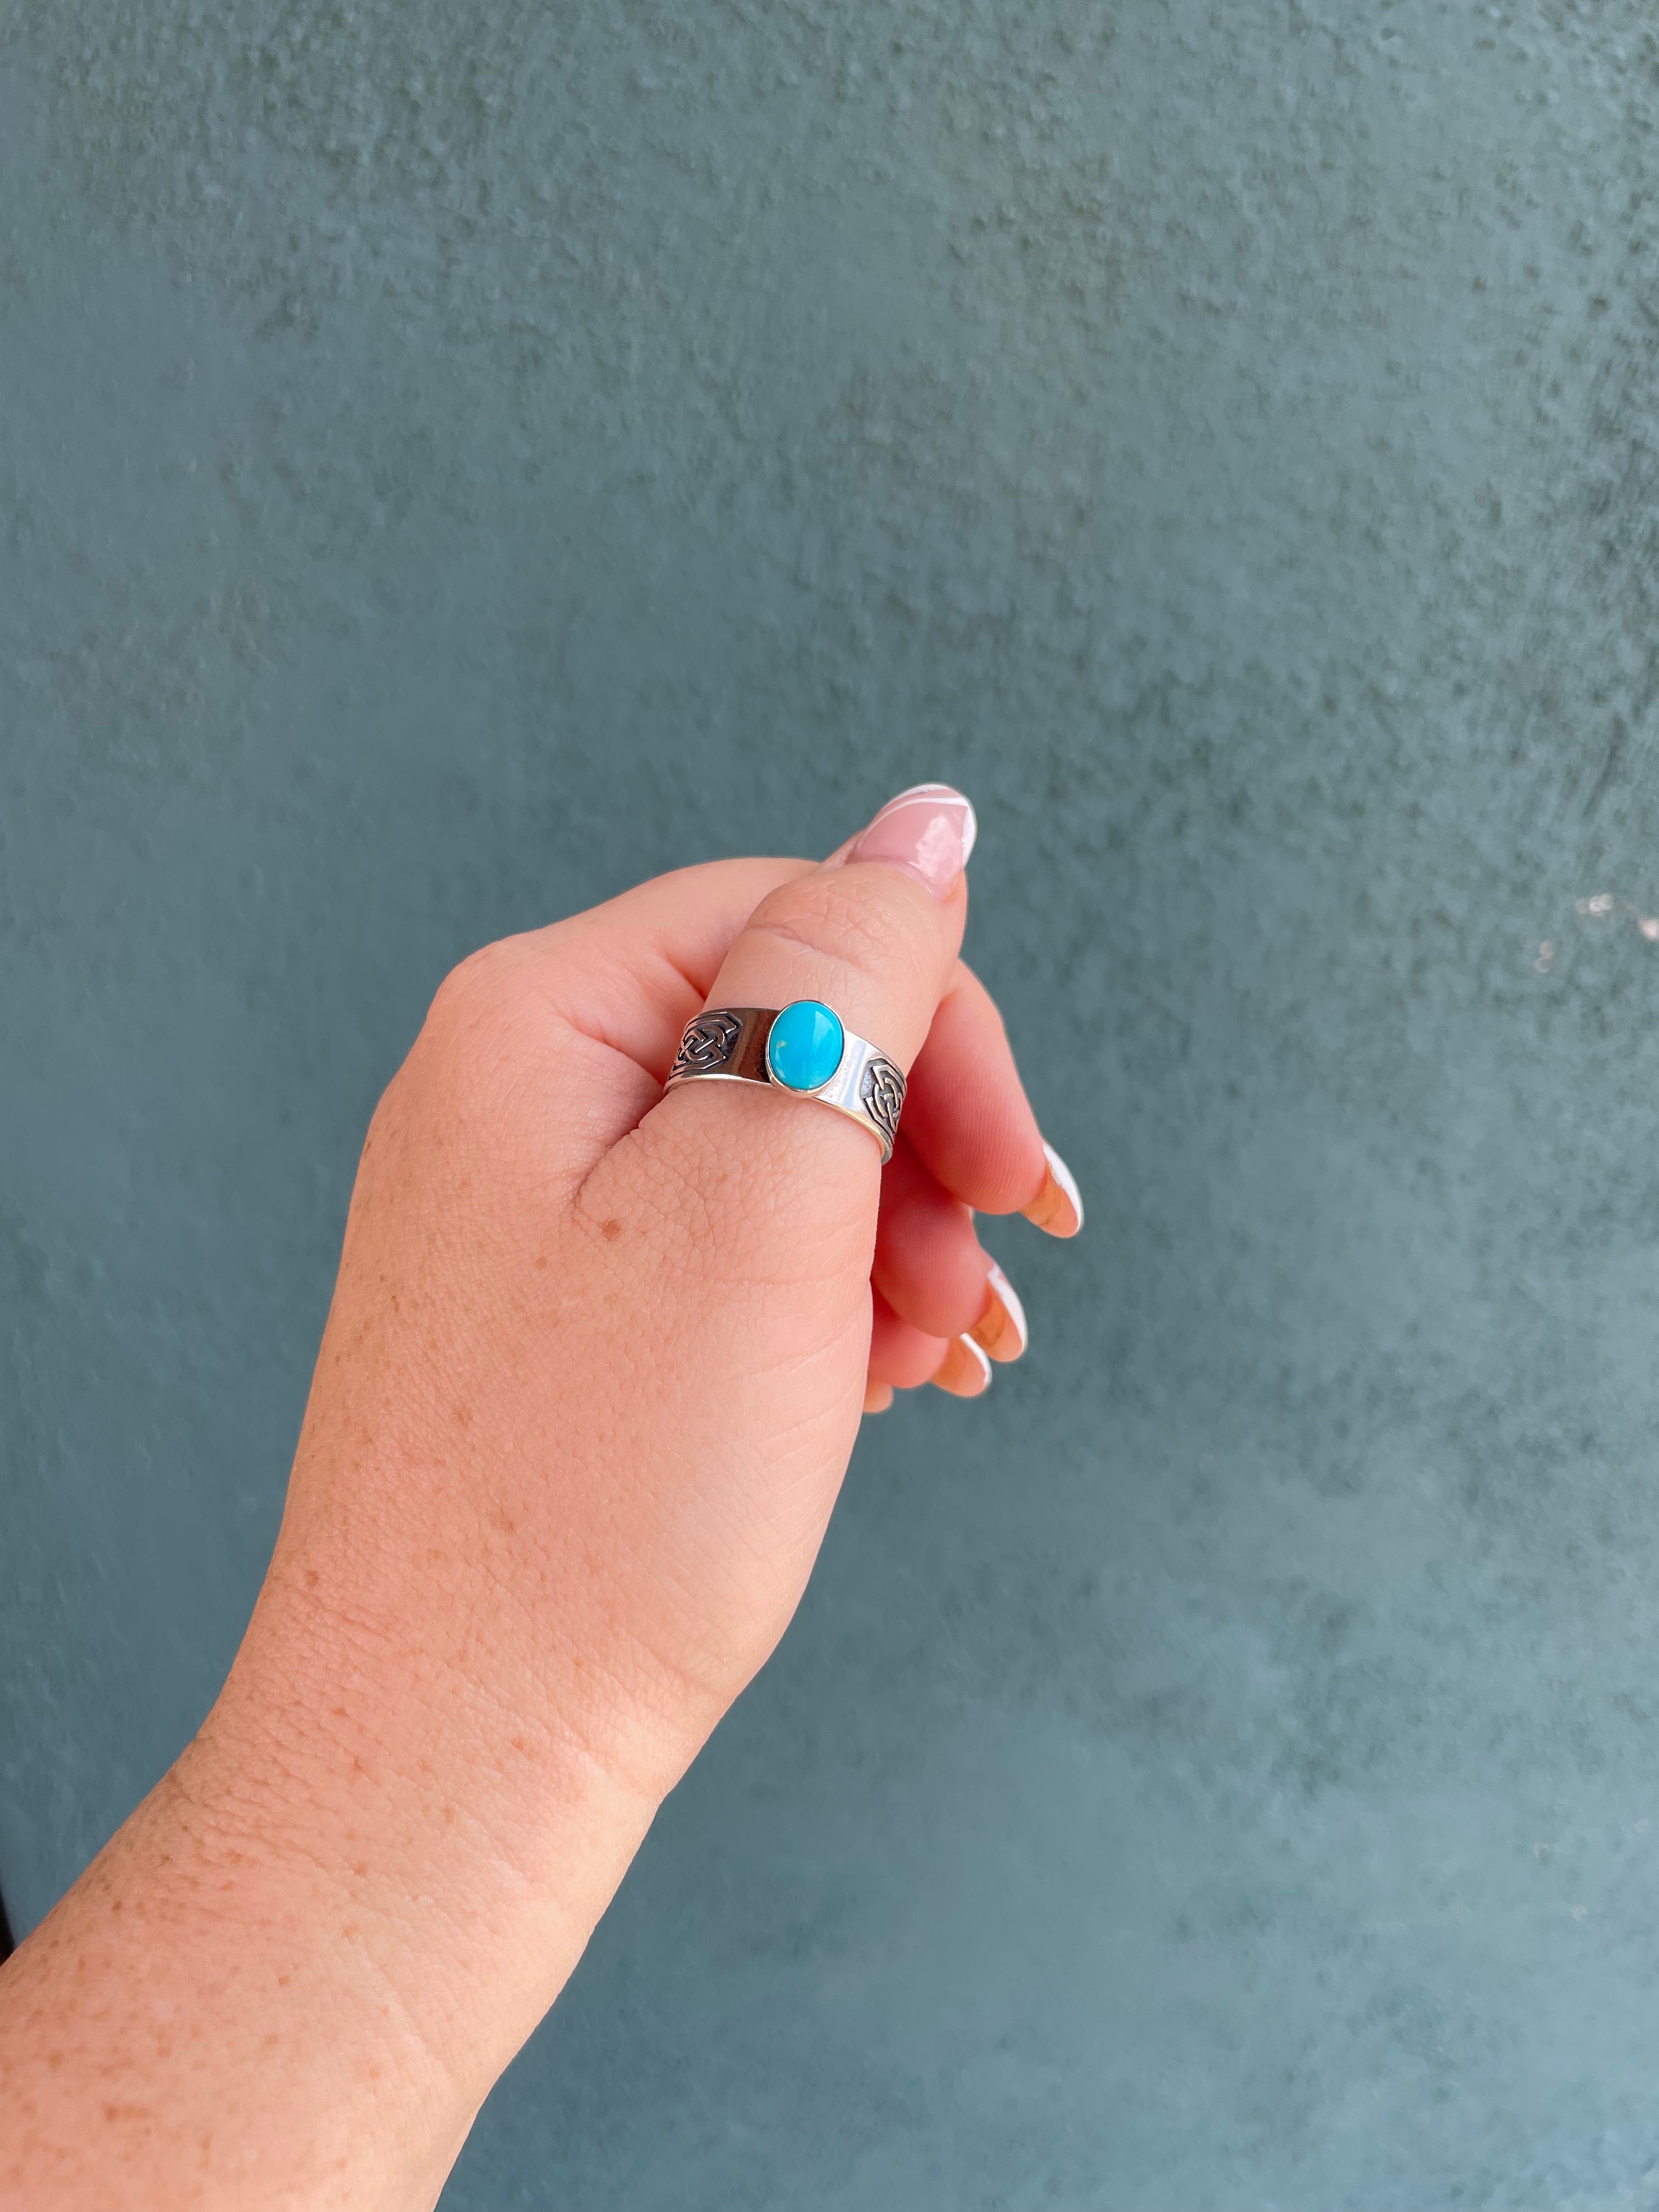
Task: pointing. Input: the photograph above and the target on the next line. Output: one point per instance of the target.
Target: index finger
(966, 1114)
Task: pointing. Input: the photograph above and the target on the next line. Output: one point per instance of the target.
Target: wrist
(245, 2014)
(301, 1965)
(465, 1850)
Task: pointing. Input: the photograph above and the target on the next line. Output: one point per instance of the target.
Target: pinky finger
(900, 1353)
(901, 1356)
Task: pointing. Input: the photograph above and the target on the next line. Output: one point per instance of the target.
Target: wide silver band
(728, 1044)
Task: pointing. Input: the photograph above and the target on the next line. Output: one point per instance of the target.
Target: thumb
(872, 935)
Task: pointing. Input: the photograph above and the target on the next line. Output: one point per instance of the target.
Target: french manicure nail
(1000, 1329)
(928, 831)
(1058, 1206)
(965, 1371)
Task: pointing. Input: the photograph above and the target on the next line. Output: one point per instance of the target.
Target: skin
(595, 1363)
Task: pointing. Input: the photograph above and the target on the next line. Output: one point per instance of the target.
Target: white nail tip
(1010, 1300)
(983, 1358)
(1067, 1181)
(970, 821)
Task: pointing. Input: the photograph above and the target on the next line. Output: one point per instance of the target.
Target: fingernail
(965, 1371)
(1057, 1208)
(877, 1397)
(1000, 1329)
(928, 831)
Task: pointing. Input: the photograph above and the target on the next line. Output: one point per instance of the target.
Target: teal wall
(461, 459)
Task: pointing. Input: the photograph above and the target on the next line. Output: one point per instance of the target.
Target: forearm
(292, 1976)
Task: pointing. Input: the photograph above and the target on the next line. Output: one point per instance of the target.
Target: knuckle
(850, 920)
(476, 1042)
(476, 990)
(479, 1021)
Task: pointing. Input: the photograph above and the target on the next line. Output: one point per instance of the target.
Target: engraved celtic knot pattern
(881, 1095)
(707, 1044)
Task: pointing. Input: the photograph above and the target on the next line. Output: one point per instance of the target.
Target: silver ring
(802, 1049)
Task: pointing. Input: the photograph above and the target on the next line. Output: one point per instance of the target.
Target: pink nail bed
(928, 831)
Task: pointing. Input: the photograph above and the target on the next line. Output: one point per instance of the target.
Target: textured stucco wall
(459, 459)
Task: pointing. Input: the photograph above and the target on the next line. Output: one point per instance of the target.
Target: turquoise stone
(805, 1049)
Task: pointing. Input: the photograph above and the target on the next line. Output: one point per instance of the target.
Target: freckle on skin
(612, 1232)
(310, 1577)
(542, 1261)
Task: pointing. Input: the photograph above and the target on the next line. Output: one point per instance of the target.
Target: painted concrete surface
(457, 461)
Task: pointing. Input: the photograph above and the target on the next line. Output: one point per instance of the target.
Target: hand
(593, 1373)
